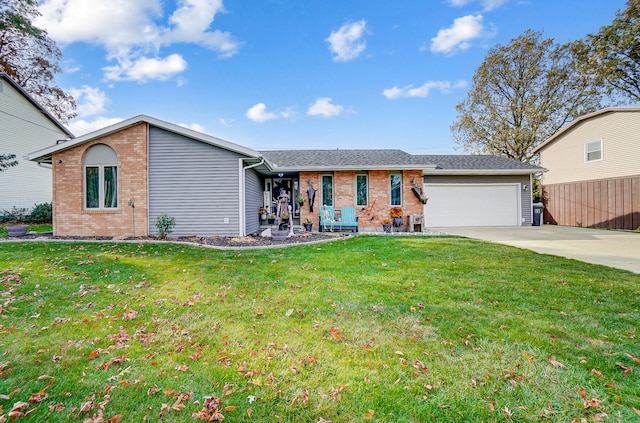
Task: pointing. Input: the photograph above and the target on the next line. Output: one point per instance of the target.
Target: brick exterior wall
(70, 218)
(378, 209)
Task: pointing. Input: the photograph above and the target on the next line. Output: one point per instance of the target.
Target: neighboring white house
(25, 126)
(593, 176)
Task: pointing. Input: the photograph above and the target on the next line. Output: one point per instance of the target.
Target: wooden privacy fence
(606, 203)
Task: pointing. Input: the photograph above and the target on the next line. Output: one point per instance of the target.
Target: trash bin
(538, 208)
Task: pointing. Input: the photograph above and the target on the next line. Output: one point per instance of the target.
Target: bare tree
(30, 57)
(522, 93)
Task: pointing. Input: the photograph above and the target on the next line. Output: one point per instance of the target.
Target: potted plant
(396, 215)
(271, 219)
(301, 201)
(263, 213)
(386, 225)
(17, 230)
(307, 225)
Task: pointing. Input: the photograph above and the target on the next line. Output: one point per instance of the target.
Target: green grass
(398, 329)
(32, 228)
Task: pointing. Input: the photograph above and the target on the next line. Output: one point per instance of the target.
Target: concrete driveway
(619, 249)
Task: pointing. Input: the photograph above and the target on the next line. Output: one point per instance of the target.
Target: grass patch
(33, 227)
(371, 328)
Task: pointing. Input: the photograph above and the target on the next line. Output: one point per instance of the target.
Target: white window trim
(401, 188)
(586, 151)
(366, 176)
(333, 190)
(100, 187)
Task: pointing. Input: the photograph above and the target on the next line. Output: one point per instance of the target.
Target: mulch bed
(216, 241)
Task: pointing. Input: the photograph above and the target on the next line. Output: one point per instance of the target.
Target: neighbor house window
(362, 190)
(396, 189)
(100, 177)
(593, 151)
(327, 190)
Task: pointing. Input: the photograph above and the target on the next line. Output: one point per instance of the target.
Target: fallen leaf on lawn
(636, 410)
(599, 417)
(507, 412)
(528, 357)
(592, 403)
(38, 397)
(86, 407)
(556, 364)
(289, 312)
(625, 368)
(113, 419)
(369, 415)
(583, 393)
(20, 406)
(182, 368)
(399, 353)
(94, 354)
(324, 421)
(45, 377)
(231, 408)
(335, 333)
(249, 412)
(597, 373)
(4, 397)
(444, 407)
(635, 359)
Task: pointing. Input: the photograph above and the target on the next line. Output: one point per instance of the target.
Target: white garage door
(472, 205)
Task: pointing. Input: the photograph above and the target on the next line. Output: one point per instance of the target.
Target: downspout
(243, 221)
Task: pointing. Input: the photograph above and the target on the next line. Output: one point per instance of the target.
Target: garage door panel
(472, 205)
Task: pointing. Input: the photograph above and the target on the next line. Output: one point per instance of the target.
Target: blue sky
(287, 74)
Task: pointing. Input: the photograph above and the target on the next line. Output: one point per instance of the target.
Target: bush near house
(40, 213)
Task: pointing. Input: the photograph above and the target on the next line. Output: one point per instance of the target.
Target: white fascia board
(46, 153)
(470, 172)
(276, 168)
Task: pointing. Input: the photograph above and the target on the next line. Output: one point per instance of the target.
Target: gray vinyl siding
(525, 196)
(194, 182)
(253, 200)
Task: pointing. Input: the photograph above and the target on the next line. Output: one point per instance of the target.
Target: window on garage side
(100, 177)
(593, 151)
(396, 189)
(327, 190)
(362, 189)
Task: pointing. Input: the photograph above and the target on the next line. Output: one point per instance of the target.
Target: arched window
(100, 177)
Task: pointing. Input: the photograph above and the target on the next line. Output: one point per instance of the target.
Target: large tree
(613, 53)
(522, 93)
(30, 57)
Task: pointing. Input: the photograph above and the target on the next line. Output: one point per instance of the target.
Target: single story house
(116, 182)
(25, 126)
(593, 177)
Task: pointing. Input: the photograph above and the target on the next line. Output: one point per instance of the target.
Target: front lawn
(396, 329)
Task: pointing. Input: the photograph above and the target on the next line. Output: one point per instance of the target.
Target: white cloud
(486, 4)
(143, 69)
(80, 127)
(346, 43)
(323, 107)
(194, 126)
(457, 37)
(130, 31)
(90, 101)
(422, 91)
(258, 113)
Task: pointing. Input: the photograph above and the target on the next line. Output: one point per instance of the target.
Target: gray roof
(337, 159)
(475, 162)
(295, 160)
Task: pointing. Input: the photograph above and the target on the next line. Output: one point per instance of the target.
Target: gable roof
(329, 160)
(44, 155)
(477, 164)
(5, 77)
(582, 119)
(324, 160)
